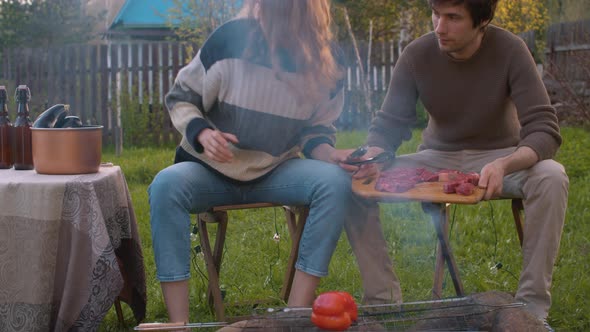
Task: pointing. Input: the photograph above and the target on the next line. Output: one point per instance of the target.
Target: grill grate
(460, 314)
(478, 312)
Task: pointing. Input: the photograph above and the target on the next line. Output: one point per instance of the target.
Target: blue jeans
(189, 188)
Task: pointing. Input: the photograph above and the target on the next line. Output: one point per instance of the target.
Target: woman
(262, 89)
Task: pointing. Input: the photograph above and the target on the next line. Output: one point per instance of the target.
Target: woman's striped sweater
(242, 95)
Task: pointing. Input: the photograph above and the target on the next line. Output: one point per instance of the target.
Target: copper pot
(67, 150)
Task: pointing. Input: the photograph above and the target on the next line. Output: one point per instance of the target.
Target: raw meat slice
(450, 187)
(465, 189)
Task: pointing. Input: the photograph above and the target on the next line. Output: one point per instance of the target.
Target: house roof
(142, 14)
(145, 19)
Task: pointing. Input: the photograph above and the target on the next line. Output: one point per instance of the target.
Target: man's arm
(392, 124)
(538, 118)
(540, 137)
(493, 173)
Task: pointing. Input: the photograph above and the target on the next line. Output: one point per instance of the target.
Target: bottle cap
(22, 93)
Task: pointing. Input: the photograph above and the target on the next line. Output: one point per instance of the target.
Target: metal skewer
(175, 326)
(380, 158)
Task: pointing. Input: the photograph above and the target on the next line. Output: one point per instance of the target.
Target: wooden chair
(295, 217)
(119, 311)
(440, 214)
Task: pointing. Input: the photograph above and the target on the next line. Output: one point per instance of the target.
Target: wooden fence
(94, 80)
(568, 50)
(98, 81)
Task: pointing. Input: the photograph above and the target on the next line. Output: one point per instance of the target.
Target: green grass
(253, 264)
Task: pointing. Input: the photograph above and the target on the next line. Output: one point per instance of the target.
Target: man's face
(454, 29)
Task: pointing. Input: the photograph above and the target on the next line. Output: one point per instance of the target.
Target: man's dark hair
(480, 10)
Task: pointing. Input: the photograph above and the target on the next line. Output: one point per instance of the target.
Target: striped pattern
(223, 89)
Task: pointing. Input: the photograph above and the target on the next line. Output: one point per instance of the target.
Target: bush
(145, 123)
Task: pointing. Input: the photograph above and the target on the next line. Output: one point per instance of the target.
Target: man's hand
(216, 144)
(492, 174)
(491, 178)
(328, 153)
(368, 170)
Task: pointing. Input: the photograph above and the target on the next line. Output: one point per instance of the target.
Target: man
(489, 112)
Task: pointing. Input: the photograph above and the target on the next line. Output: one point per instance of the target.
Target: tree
(13, 16)
(41, 23)
(389, 17)
(194, 20)
(374, 21)
(520, 16)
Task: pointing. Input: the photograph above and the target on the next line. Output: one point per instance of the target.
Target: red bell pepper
(334, 311)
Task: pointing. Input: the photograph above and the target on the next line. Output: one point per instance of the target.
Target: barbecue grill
(489, 311)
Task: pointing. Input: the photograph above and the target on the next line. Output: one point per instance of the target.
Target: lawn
(481, 236)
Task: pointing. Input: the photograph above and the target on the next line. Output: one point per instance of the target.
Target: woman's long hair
(301, 28)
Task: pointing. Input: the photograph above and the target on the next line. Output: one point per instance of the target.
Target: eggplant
(70, 121)
(52, 116)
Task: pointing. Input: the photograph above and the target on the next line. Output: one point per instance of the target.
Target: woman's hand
(328, 153)
(339, 158)
(216, 144)
(368, 170)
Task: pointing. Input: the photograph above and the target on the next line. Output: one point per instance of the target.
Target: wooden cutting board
(424, 192)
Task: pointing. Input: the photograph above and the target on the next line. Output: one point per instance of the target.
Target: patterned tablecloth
(69, 246)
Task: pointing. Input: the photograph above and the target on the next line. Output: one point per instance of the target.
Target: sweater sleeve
(392, 124)
(189, 98)
(321, 127)
(538, 119)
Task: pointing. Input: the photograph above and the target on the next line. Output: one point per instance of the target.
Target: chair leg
(517, 208)
(221, 218)
(119, 311)
(214, 292)
(291, 219)
(439, 214)
(296, 225)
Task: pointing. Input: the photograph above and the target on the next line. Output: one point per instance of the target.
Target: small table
(436, 203)
(69, 247)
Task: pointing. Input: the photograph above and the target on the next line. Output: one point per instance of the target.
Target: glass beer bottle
(6, 157)
(23, 148)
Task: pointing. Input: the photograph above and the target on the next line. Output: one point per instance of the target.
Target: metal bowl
(67, 150)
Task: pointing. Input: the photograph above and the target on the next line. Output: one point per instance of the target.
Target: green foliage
(140, 165)
(388, 16)
(519, 16)
(39, 23)
(481, 236)
(13, 14)
(421, 115)
(142, 123)
(573, 153)
(194, 20)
